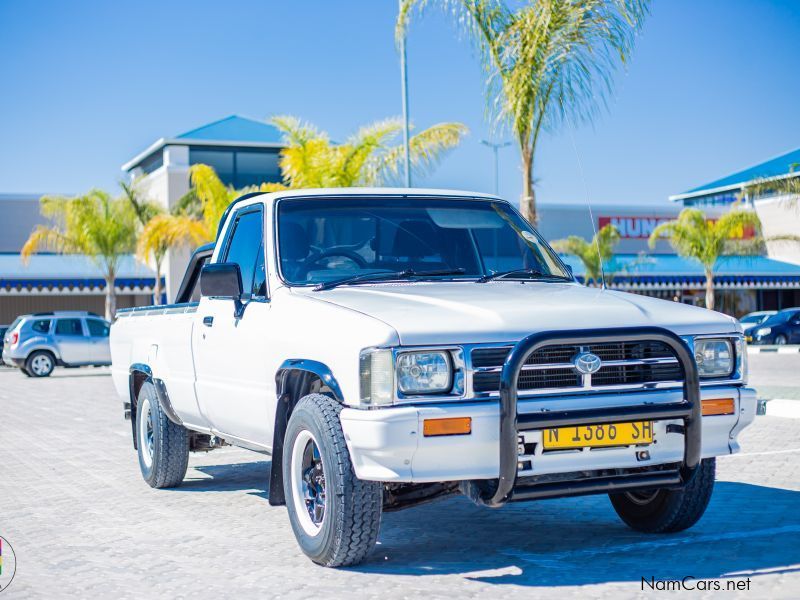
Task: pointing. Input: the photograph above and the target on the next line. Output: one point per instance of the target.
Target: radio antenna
(589, 206)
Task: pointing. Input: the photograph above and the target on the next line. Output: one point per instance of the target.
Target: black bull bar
(511, 423)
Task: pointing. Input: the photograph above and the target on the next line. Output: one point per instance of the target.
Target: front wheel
(780, 340)
(163, 445)
(334, 515)
(668, 511)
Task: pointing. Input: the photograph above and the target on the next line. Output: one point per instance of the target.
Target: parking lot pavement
(775, 375)
(83, 523)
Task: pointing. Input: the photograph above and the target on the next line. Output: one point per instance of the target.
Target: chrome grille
(633, 364)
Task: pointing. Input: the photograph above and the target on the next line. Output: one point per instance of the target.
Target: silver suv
(39, 342)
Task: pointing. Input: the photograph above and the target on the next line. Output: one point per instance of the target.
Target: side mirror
(569, 271)
(221, 280)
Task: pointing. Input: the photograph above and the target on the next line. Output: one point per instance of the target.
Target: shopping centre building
(245, 152)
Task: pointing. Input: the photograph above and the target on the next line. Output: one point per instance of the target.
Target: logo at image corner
(8, 563)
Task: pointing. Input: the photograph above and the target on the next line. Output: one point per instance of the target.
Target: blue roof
(671, 267)
(780, 165)
(235, 129)
(66, 267)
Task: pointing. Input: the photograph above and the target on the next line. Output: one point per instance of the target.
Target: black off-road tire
(39, 354)
(352, 516)
(668, 511)
(170, 443)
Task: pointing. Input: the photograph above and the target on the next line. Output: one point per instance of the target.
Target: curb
(788, 409)
(773, 349)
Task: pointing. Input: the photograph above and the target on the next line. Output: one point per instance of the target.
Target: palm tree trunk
(111, 299)
(527, 204)
(157, 287)
(709, 289)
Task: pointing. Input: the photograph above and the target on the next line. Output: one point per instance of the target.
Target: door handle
(208, 321)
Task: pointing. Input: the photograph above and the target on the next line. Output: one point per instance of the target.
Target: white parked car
(391, 346)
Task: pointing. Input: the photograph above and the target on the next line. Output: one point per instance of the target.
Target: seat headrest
(294, 241)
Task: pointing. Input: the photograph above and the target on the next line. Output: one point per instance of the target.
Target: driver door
(233, 387)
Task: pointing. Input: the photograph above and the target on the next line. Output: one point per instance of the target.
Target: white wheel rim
(308, 483)
(145, 422)
(41, 364)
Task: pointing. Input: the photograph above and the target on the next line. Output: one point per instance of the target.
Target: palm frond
(426, 149)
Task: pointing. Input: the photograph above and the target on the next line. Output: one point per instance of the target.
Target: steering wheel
(318, 257)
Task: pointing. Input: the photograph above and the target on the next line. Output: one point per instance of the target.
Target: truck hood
(506, 311)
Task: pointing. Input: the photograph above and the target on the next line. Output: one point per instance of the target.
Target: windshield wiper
(531, 273)
(392, 275)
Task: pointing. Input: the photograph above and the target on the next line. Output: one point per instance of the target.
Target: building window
(239, 167)
(219, 160)
(256, 167)
(152, 162)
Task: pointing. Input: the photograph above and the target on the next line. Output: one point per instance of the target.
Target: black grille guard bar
(689, 409)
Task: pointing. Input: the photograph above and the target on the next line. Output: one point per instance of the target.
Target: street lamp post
(404, 83)
(495, 146)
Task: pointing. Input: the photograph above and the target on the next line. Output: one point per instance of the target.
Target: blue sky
(84, 86)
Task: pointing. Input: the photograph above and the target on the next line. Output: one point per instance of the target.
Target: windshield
(754, 318)
(781, 317)
(326, 240)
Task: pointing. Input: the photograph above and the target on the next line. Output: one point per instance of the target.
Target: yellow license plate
(598, 436)
(748, 338)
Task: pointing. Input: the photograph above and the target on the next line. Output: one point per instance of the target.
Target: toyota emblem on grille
(587, 363)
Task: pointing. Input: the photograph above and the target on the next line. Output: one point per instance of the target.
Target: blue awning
(631, 271)
(71, 272)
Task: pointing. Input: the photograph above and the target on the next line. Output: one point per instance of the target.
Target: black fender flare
(138, 374)
(291, 382)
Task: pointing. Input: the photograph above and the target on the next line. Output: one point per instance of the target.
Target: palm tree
(366, 158)
(155, 250)
(102, 228)
(591, 253)
(196, 219)
(705, 240)
(546, 62)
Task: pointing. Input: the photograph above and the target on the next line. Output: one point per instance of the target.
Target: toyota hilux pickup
(389, 347)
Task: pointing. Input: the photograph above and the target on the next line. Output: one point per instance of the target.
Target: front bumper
(388, 445)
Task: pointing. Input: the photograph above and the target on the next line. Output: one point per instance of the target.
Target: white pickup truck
(392, 346)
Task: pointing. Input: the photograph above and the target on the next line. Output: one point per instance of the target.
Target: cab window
(246, 249)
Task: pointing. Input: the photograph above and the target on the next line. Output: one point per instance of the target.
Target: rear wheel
(667, 511)
(334, 515)
(163, 445)
(40, 364)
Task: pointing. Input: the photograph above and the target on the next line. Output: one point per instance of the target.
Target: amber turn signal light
(719, 406)
(455, 426)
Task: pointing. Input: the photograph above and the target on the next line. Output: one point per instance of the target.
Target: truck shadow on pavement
(747, 530)
(246, 476)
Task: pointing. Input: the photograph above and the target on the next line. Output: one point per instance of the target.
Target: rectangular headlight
(714, 357)
(427, 372)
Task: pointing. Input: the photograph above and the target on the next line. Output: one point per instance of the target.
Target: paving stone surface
(84, 524)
